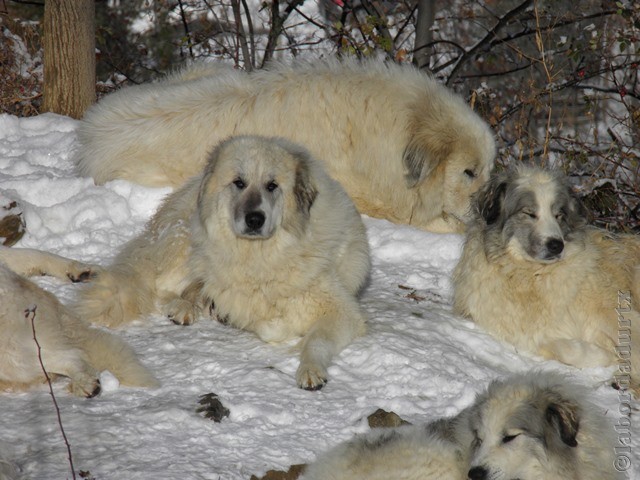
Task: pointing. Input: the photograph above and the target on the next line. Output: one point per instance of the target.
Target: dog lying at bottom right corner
(531, 426)
(534, 274)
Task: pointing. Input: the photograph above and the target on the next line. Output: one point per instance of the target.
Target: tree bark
(69, 56)
(424, 36)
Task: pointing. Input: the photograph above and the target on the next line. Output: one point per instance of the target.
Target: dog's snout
(254, 220)
(478, 473)
(555, 246)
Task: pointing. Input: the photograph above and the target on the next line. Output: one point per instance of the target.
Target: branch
(252, 39)
(497, 74)
(491, 34)
(531, 31)
(185, 24)
(277, 25)
(31, 312)
(608, 90)
(242, 39)
(574, 83)
(383, 30)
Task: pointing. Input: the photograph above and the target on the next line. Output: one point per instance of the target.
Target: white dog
(529, 427)
(266, 235)
(68, 346)
(534, 275)
(404, 147)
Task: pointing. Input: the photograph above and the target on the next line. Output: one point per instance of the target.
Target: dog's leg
(29, 262)
(69, 362)
(186, 308)
(326, 338)
(628, 352)
(575, 352)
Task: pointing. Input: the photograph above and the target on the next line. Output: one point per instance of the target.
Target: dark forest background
(557, 80)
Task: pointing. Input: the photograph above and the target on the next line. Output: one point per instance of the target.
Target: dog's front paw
(311, 377)
(82, 272)
(182, 312)
(87, 387)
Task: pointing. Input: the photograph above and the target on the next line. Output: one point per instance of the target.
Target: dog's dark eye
(271, 186)
(477, 441)
(530, 214)
(508, 438)
(239, 183)
(470, 173)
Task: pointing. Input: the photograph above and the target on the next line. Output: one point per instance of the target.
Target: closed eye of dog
(477, 441)
(240, 185)
(509, 438)
(271, 186)
(470, 173)
(530, 214)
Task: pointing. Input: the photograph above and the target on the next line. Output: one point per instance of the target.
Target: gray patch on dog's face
(523, 435)
(532, 215)
(256, 207)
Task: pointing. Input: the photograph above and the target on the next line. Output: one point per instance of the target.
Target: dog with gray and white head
(534, 274)
(533, 426)
(529, 213)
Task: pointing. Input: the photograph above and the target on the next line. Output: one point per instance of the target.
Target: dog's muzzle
(254, 222)
(554, 248)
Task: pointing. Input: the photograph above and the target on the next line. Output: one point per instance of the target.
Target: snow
(418, 359)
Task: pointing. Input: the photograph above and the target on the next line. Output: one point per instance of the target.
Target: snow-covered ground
(417, 359)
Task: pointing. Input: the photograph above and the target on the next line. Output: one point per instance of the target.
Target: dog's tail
(118, 295)
(109, 352)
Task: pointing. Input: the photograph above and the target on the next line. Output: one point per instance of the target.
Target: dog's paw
(182, 312)
(82, 272)
(214, 314)
(87, 387)
(311, 377)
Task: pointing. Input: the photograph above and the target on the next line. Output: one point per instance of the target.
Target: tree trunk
(69, 56)
(424, 36)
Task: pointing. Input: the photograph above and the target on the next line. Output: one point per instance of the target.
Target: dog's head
(449, 156)
(523, 431)
(257, 185)
(529, 213)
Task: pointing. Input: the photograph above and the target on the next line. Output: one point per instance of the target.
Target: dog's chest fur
(524, 301)
(258, 285)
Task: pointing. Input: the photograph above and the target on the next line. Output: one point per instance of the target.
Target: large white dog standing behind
(69, 347)
(535, 426)
(535, 275)
(263, 233)
(403, 146)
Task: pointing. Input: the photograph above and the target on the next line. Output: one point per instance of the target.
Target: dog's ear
(418, 163)
(488, 200)
(304, 190)
(563, 417)
(576, 214)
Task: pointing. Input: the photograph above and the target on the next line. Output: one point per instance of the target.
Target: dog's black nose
(254, 220)
(555, 246)
(478, 473)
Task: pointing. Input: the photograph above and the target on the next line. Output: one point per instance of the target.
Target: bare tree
(278, 20)
(69, 56)
(424, 37)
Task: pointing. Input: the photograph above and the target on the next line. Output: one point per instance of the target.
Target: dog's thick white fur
(69, 347)
(535, 426)
(404, 147)
(535, 275)
(263, 233)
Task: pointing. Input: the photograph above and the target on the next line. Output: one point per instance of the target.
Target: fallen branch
(31, 312)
